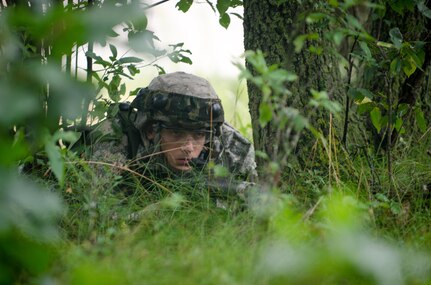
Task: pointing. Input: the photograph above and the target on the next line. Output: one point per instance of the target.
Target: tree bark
(272, 28)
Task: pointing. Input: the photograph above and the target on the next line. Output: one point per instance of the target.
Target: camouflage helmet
(180, 100)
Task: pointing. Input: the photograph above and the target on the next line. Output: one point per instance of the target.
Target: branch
(155, 4)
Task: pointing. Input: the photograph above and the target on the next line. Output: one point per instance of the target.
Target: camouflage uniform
(176, 100)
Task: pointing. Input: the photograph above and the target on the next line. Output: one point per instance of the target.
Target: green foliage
(222, 7)
(334, 248)
(395, 60)
(182, 237)
(28, 232)
(288, 122)
(184, 5)
(332, 223)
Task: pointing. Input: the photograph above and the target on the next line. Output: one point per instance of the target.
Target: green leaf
(424, 9)
(354, 22)
(384, 44)
(365, 49)
(300, 122)
(403, 108)
(376, 118)
(367, 93)
(365, 107)
(338, 37)
(355, 94)
(113, 51)
(141, 23)
(132, 69)
(314, 18)
(400, 5)
(67, 136)
(184, 5)
(220, 171)
(123, 89)
(93, 55)
(129, 59)
(224, 20)
(409, 66)
(265, 114)
(262, 154)
(420, 120)
(173, 201)
(395, 66)
(160, 70)
(299, 42)
(396, 37)
(55, 160)
(398, 124)
(333, 3)
(315, 50)
(222, 6)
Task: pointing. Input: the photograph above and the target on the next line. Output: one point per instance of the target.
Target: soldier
(174, 127)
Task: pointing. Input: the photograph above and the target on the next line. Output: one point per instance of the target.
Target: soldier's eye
(198, 135)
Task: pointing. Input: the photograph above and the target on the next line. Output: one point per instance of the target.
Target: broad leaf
(398, 124)
(420, 120)
(222, 6)
(424, 9)
(409, 66)
(129, 59)
(365, 107)
(396, 37)
(400, 5)
(365, 49)
(395, 66)
(376, 118)
(184, 5)
(55, 160)
(113, 51)
(224, 20)
(315, 17)
(220, 171)
(354, 22)
(265, 114)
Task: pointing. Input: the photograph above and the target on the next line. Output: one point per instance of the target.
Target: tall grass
(309, 233)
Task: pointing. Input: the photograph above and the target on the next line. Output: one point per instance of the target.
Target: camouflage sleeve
(236, 153)
(107, 145)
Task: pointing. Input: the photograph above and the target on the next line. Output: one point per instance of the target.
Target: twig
(349, 80)
(155, 4)
(310, 211)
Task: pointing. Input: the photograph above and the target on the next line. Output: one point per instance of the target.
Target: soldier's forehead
(185, 128)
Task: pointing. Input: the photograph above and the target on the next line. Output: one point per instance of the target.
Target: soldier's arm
(237, 153)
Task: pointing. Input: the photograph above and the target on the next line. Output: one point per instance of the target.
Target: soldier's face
(181, 146)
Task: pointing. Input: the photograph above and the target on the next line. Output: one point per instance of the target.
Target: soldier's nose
(188, 146)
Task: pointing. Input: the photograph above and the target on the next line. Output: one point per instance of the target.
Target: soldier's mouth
(183, 161)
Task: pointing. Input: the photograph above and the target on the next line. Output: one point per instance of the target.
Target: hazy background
(214, 49)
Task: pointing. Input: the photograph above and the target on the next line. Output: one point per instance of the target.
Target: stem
(349, 80)
(389, 137)
(155, 4)
(86, 102)
(330, 150)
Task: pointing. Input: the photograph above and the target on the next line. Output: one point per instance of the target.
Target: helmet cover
(180, 100)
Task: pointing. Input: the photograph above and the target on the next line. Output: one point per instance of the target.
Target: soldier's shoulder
(233, 140)
(238, 152)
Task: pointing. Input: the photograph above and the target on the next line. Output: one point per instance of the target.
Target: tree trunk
(272, 28)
